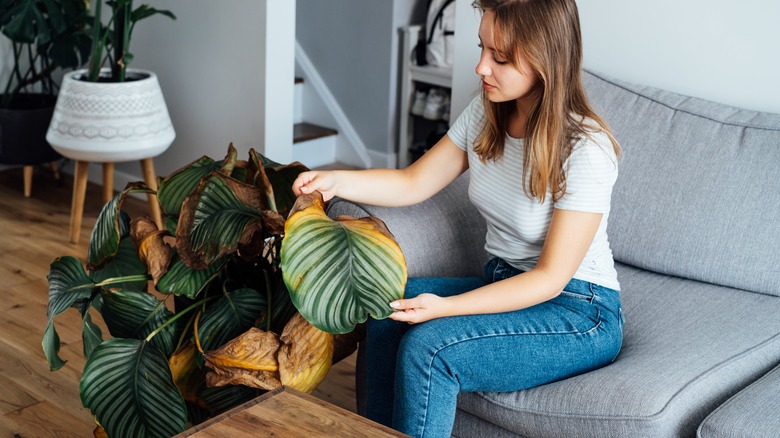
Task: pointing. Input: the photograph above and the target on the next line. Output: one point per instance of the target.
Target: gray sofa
(695, 230)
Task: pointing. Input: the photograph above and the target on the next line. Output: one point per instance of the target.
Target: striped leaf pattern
(130, 314)
(232, 314)
(69, 286)
(338, 272)
(104, 241)
(184, 281)
(124, 263)
(127, 385)
(219, 216)
(173, 189)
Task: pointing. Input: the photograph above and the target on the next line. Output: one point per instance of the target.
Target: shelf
(440, 76)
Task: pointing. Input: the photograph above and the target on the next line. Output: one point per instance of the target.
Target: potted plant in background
(234, 330)
(45, 35)
(109, 113)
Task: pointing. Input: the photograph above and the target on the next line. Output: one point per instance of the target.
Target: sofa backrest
(698, 195)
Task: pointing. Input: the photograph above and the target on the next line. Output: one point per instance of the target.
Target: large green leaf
(124, 263)
(130, 314)
(218, 217)
(69, 286)
(182, 280)
(109, 228)
(232, 314)
(338, 272)
(127, 385)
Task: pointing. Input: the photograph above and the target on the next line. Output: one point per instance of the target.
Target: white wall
(718, 50)
(211, 66)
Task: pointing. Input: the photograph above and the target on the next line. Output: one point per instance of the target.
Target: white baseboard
(315, 153)
(383, 160)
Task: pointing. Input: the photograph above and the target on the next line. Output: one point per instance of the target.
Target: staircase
(313, 145)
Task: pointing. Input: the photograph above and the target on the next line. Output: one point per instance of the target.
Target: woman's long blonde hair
(546, 33)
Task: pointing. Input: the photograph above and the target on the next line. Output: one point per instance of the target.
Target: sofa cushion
(451, 227)
(753, 412)
(697, 191)
(687, 347)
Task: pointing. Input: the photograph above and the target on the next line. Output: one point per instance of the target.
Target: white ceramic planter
(110, 122)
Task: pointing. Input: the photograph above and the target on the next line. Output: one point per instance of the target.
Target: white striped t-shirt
(516, 224)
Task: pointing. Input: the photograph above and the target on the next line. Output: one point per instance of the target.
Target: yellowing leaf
(186, 373)
(305, 356)
(340, 271)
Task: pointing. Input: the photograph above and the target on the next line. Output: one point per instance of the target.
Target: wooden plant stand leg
(77, 206)
(28, 174)
(108, 182)
(147, 167)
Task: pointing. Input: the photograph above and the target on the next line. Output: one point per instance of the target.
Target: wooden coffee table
(286, 412)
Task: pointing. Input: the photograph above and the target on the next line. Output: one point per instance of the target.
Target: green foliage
(227, 282)
(212, 275)
(45, 35)
(111, 41)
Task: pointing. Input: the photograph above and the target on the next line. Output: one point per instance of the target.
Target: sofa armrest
(443, 236)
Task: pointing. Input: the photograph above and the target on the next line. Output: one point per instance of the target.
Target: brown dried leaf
(249, 359)
(305, 356)
(151, 248)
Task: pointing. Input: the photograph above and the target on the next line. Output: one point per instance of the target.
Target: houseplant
(109, 113)
(45, 35)
(233, 330)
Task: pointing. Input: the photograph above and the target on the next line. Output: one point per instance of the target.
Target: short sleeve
(591, 172)
(459, 131)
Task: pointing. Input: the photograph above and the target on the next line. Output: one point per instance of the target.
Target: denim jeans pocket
(579, 290)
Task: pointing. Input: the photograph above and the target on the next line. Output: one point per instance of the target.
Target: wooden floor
(35, 402)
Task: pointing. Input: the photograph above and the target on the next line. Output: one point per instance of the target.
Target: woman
(542, 169)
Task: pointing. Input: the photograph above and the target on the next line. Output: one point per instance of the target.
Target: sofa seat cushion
(753, 412)
(687, 347)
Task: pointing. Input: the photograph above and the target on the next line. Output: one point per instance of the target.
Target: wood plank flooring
(35, 402)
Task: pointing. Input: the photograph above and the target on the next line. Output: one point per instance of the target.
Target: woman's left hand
(421, 308)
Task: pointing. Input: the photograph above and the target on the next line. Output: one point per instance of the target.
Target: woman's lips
(487, 87)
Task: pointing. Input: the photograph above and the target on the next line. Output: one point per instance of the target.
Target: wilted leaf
(274, 180)
(153, 251)
(338, 272)
(305, 356)
(221, 214)
(249, 360)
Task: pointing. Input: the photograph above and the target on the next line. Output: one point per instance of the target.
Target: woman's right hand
(321, 181)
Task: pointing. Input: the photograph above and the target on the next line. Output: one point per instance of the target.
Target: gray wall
(718, 50)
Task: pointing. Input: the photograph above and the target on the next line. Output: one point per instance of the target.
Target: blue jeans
(414, 372)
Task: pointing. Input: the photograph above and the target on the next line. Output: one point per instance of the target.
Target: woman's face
(502, 81)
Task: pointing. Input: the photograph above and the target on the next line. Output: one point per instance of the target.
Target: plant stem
(177, 316)
(128, 278)
(97, 43)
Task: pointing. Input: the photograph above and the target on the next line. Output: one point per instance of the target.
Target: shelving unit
(411, 74)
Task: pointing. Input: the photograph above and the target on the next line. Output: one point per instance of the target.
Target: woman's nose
(482, 69)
